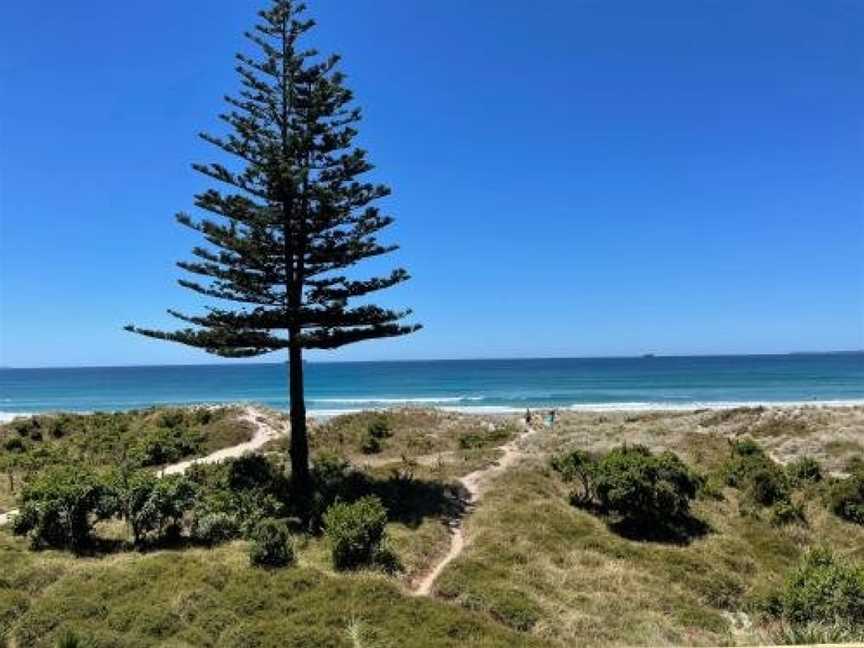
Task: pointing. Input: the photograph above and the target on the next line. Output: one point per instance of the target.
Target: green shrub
(642, 487)
(163, 445)
(824, 589)
(59, 506)
(490, 437)
(71, 640)
(805, 470)
(785, 512)
(154, 507)
(246, 489)
(577, 467)
(14, 444)
(746, 457)
(214, 528)
(766, 486)
(370, 444)
(751, 470)
(846, 498)
(333, 479)
(710, 488)
(271, 544)
(356, 531)
(379, 429)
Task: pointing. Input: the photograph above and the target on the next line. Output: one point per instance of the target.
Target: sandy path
(473, 483)
(264, 432)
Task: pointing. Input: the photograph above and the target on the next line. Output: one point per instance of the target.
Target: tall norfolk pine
(292, 220)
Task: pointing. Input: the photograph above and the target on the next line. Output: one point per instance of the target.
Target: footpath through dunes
(473, 484)
(266, 425)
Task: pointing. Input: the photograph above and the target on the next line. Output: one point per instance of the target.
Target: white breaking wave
(5, 417)
(394, 401)
(648, 406)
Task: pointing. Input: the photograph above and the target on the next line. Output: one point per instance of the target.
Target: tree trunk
(301, 483)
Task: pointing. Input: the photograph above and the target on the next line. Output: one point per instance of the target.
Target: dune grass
(536, 571)
(199, 597)
(536, 562)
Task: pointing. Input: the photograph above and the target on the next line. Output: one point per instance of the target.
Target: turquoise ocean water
(472, 385)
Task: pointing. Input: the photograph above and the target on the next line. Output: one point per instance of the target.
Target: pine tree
(294, 218)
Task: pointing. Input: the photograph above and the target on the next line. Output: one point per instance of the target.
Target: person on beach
(527, 416)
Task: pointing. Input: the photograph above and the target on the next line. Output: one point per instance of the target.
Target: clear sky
(570, 178)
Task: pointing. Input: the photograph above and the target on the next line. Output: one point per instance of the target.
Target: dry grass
(536, 571)
(832, 435)
(534, 555)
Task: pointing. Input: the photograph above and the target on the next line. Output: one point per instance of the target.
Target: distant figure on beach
(551, 418)
(527, 416)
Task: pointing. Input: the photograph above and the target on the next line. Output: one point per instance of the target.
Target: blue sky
(570, 178)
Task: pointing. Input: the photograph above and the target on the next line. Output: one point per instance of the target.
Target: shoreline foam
(492, 410)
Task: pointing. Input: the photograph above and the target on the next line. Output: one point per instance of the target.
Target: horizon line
(645, 356)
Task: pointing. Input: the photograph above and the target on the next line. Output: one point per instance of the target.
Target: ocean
(482, 386)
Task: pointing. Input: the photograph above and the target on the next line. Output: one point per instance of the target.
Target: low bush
(766, 486)
(372, 441)
(60, 505)
(157, 446)
(71, 640)
(356, 532)
(642, 487)
(214, 528)
(824, 589)
(750, 469)
(370, 444)
(333, 479)
(247, 490)
(379, 429)
(846, 497)
(579, 468)
(155, 507)
(786, 512)
(805, 470)
(271, 544)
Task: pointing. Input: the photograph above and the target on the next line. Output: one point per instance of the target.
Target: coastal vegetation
(563, 550)
(146, 438)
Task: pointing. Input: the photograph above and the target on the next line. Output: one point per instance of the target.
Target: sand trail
(473, 483)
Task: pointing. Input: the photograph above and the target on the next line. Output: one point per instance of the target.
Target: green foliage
(370, 444)
(59, 506)
(786, 512)
(846, 497)
(710, 488)
(271, 544)
(643, 487)
(244, 490)
(824, 589)
(333, 479)
(157, 446)
(766, 485)
(356, 531)
(155, 507)
(214, 528)
(138, 438)
(71, 640)
(750, 469)
(380, 428)
(372, 441)
(580, 468)
(803, 471)
(490, 438)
